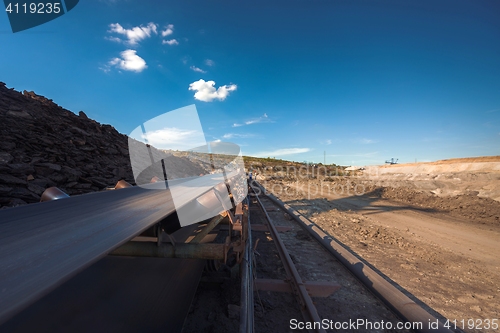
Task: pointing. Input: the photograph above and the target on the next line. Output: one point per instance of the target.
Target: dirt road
(477, 242)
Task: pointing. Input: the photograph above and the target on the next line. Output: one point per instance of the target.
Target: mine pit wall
(443, 179)
(472, 177)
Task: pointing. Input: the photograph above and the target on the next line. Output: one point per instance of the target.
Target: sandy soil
(449, 263)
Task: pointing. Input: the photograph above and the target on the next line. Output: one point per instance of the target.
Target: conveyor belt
(117, 294)
(42, 245)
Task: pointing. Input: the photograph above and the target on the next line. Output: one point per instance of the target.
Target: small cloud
(366, 141)
(168, 30)
(136, 34)
(257, 120)
(196, 69)
(262, 119)
(129, 61)
(236, 135)
(326, 142)
(209, 62)
(170, 42)
(206, 92)
(283, 152)
(113, 39)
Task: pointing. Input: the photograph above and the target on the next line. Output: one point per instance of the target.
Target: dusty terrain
(431, 233)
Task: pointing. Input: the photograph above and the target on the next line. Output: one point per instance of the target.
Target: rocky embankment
(44, 145)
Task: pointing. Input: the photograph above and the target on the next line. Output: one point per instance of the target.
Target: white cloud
(236, 135)
(366, 141)
(209, 62)
(196, 69)
(113, 39)
(262, 119)
(283, 152)
(170, 42)
(129, 61)
(206, 92)
(326, 142)
(136, 34)
(168, 30)
(173, 138)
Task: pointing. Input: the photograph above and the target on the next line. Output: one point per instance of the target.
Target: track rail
(247, 275)
(307, 306)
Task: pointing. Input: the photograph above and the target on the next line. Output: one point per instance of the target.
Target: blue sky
(363, 81)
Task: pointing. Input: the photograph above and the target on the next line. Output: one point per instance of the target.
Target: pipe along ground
(401, 304)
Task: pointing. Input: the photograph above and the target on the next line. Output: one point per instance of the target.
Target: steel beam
(166, 250)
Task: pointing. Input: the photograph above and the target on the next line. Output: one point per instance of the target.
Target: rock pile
(44, 145)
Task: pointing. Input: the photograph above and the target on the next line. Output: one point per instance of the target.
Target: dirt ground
(445, 250)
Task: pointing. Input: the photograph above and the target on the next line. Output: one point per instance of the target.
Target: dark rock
(71, 174)
(37, 159)
(112, 151)
(52, 166)
(21, 169)
(46, 141)
(43, 182)
(120, 172)
(43, 171)
(83, 186)
(5, 158)
(8, 179)
(36, 189)
(58, 177)
(82, 114)
(7, 146)
(14, 202)
(4, 190)
(25, 194)
(71, 184)
(20, 114)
